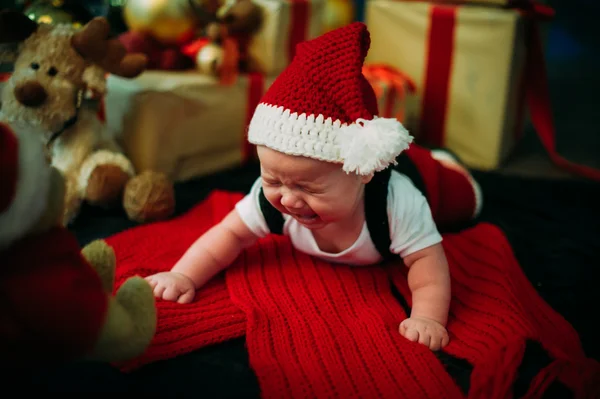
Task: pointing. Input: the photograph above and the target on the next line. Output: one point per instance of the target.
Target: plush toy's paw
(130, 324)
(103, 177)
(148, 197)
(102, 258)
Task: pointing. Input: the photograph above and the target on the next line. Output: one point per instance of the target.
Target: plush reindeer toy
(54, 66)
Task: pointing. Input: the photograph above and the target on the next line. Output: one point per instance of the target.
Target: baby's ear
(94, 78)
(366, 178)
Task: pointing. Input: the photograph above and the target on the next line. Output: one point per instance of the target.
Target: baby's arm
(211, 253)
(215, 250)
(429, 282)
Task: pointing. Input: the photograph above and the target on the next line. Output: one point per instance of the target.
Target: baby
(320, 143)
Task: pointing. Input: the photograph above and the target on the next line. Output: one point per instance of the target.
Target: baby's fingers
(408, 332)
(187, 296)
(445, 339)
(151, 281)
(424, 338)
(159, 289)
(171, 293)
(436, 343)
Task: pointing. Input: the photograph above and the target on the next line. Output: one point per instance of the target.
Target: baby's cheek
(329, 210)
(271, 195)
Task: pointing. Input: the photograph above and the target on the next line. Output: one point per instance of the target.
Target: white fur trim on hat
(363, 147)
(30, 198)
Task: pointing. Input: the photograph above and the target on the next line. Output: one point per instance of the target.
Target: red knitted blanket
(314, 329)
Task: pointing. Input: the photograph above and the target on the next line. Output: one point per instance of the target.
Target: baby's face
(313, 192)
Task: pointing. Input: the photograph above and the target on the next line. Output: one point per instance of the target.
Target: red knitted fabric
(326, 77)
(449, 189)
(315, 329)
(152, 248)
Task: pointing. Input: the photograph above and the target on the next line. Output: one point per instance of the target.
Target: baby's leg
(453, 194)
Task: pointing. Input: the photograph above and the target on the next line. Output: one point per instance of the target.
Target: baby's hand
(425, 331)
(172, 286)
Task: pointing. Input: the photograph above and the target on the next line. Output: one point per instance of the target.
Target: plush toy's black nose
(30, 94)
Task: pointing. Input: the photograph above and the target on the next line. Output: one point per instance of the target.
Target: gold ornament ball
(338, 13)
(168, 21)
(209, 59)
(149, 196)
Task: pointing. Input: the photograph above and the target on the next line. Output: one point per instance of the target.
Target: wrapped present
(477, 69)
(286, 23)
(467, 62)
(395, 93)
(184, 124)
(338, 13)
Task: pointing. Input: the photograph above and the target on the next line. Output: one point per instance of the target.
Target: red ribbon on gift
(537, 96)
(300, 13)
(437, 76)
(398, 83)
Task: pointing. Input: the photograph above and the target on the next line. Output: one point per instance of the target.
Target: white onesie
(411, 225)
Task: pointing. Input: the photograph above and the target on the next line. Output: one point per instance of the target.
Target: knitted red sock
(453, 195)
(155, 247)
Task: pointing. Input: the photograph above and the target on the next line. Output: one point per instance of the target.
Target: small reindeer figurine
(54, 67)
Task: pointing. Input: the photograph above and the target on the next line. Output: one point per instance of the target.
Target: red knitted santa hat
(24, 183)
(321, 106)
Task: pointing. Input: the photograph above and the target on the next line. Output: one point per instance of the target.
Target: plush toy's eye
(52, 71)
(35, 66)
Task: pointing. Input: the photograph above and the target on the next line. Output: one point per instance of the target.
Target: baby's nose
(291, 201)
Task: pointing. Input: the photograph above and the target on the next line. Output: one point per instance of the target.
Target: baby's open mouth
(307, 217)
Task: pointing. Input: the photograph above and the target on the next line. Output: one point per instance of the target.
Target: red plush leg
(453, 195)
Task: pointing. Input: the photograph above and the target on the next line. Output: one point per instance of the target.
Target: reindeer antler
(15, 26)
(92, 43)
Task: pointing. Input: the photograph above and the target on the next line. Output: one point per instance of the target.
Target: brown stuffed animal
(54, 67)
(56, 301)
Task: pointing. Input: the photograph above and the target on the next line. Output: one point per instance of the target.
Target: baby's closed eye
(311, 190)
(271, 182)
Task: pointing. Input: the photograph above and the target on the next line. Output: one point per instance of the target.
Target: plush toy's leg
(131, 316)
(453, 194)
(103, 176)
(130, 323)
(102, 258)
